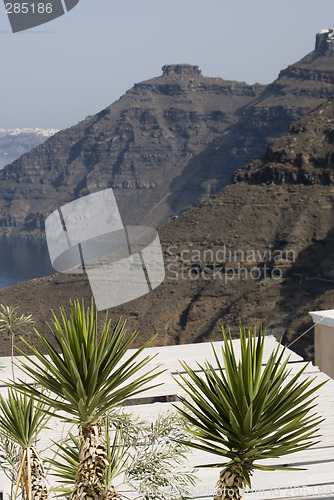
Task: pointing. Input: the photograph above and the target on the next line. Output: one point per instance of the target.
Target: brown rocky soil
(294, 223)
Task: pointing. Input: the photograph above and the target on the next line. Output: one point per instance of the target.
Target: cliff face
(166, 145)
(137, 146)
(303, 156)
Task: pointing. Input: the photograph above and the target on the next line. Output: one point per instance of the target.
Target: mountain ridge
(95, 153)
(166, 145)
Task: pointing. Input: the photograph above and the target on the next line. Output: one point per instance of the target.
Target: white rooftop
(325, 317)
(317, 480)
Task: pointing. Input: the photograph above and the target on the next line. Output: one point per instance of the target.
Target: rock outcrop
(325, 41)
(303, 156)
(181, 69)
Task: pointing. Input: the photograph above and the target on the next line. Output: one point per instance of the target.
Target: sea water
(22, 260)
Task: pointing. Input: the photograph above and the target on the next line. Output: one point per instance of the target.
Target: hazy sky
(57, 74)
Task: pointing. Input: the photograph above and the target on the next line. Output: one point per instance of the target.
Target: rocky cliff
(166, 145)
(137, 146)
(303, 156)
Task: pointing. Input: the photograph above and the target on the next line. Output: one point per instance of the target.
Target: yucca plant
(246, 413)
(11, 323)
(146, 455)
(21, 420)
(65, 463)
(86, 376)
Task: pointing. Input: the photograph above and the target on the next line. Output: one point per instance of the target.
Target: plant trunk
(32, 475)
(12, 345)
(231, 484)
(93, 463)
(112, 494)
